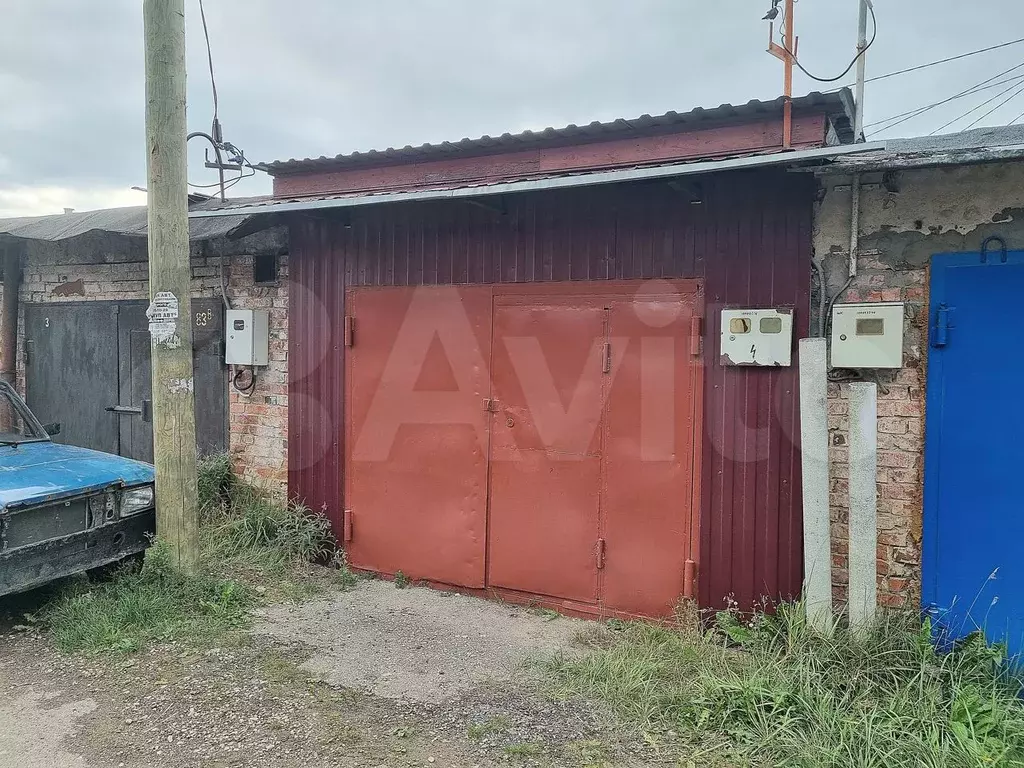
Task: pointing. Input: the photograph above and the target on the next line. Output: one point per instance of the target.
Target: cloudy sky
(301, 78)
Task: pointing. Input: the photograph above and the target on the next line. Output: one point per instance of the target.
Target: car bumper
(29, 567)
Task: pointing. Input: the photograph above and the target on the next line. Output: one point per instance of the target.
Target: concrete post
(863, 503)
(814, 453)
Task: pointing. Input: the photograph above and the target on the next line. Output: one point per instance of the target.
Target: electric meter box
(248, 337)
(867, 335)
(757, 337)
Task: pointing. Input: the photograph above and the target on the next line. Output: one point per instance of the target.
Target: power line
(962, 94)
(1009, 98)
(1018, 117)
(975, 109)
(943, 61)
(209, 59)
(935, 63)
(874, 34)
(932, 106)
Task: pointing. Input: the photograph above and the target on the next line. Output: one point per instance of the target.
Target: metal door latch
(124, 409)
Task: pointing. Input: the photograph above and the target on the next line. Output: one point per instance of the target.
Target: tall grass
(249, 544)
(772, 692)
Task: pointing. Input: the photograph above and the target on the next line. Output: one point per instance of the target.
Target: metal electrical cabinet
(248, 337)
(759, 337)
(867, 335)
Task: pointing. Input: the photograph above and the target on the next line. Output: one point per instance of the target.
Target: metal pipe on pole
(862, 46)
(170, 310)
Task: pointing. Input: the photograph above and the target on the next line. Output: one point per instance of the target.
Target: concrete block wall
(903, 222)
(118, 271)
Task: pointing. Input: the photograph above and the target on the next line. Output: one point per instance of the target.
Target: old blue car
(65, 509)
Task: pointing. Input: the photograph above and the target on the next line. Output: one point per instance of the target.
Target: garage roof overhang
(270, 205)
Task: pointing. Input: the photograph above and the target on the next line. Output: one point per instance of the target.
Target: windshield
(17, 425)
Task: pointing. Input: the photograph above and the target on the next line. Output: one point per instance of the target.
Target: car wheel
(130, 564)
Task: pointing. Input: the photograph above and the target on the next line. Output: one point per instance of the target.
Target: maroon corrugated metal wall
(750, 240)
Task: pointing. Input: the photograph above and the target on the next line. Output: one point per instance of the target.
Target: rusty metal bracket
(347, 525)
(600, 554)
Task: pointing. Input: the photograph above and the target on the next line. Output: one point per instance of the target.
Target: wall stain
(73, 288)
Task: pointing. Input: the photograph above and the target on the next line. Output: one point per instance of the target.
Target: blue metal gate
(973, 557)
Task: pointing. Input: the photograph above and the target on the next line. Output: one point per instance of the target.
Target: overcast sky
(300, 78)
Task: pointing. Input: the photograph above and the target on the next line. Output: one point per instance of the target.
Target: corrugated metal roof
(838, 104)
(279, 205)
(130, 222)
(981, 145)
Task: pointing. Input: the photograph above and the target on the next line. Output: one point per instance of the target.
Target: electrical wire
(874, 34)
(976, 108)
(1018, 117)
(914, 113)
(1008, 99)
(918, 67)
(894, 120)
(209, 58)
(971, 92)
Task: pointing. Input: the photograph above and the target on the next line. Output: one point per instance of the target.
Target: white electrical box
(867, 335)
(757, 337)
(248, 337)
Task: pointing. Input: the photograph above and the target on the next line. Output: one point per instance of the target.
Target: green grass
(772, 692)
(251, 547)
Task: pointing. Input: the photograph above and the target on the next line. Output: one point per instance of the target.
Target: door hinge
(606, 358)
(350, 330)
(600, 554)
(695, 328)
(940, 336)
(30, 344)
(346, 524)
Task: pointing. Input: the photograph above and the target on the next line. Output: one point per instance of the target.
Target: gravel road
(376, 676)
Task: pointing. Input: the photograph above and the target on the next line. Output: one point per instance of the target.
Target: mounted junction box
(757, 337)
(867, 335)
(247, 337)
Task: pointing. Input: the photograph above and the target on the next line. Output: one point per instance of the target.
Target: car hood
(33, 473)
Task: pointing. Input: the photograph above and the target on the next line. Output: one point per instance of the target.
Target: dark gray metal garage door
(88, 367)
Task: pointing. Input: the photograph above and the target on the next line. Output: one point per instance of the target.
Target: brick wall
(903, 222)
(258, 423)
(259, 419)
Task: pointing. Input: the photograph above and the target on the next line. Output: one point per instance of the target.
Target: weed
(155, 605)
(401, 580)
(488, 727)
(249, 545)
(771, 691)
(589, 754)
(525, 749)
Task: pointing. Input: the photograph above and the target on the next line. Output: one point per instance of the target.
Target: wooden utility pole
(170, 310)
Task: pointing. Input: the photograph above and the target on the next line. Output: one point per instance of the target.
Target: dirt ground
(376, 676)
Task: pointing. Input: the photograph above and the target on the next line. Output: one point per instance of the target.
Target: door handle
(124, 409)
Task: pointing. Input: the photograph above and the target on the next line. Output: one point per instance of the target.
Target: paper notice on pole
(163, 318)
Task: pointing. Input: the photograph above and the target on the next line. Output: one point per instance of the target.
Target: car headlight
(135, 500)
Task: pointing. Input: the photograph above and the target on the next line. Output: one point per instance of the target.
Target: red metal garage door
(548, 388)
(416, 460)
(582, 401)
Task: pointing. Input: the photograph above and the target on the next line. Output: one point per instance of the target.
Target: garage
(534, 440)
(87, 367)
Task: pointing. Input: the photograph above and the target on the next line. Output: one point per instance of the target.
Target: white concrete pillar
(863, 503)
(817, 592)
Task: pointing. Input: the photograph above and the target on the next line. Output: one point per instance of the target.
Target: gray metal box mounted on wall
(867, 335)
(247, 337)
(757, 337)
